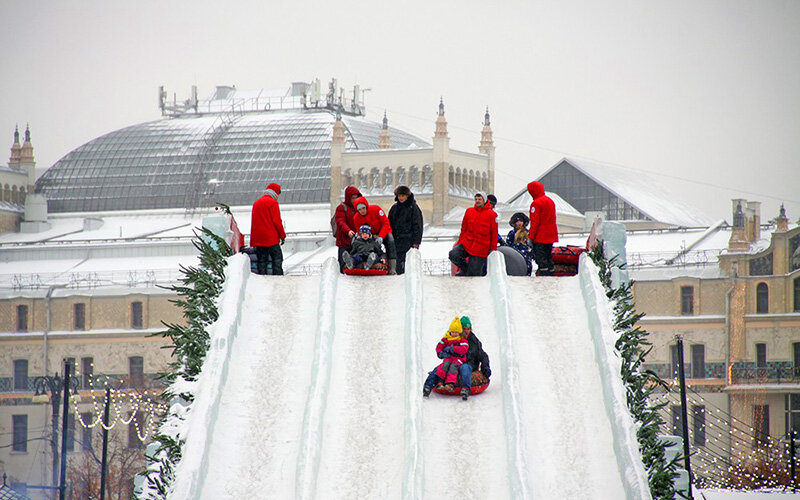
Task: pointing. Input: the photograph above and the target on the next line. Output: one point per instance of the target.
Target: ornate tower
(13, 161)
(385, 138)
(26, 161)
(337, 149)
(487, 148)
(441, 167)
(781, 221)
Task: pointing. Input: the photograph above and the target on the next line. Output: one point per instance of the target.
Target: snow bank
(311, 438)
(626, 446)
(202, 415)
(413, 474)
(515, 438)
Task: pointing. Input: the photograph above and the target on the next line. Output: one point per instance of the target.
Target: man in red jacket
(478, 237)
(543, 231)
(345, 227)
(266, 231)
(375, 217)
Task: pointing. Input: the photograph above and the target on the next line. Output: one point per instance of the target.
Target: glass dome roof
(201, 160)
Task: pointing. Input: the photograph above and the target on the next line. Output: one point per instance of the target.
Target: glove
(379, 240)
(442, 354)
(449, 350)
(487, 372)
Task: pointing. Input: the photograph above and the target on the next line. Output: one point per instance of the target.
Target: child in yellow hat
(452, 349)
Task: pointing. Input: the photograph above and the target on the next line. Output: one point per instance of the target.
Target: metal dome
(195, 161)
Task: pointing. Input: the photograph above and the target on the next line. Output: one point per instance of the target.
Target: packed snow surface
(325, 408)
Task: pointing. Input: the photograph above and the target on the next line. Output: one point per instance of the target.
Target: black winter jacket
(364, 247)
(476, 356)
(406, 221)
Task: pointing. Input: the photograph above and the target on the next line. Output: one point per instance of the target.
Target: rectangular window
(136, 315)
(88, 372)
(674, 361)
(20, 374)
(133, 433)
(792, 402)
(797, 295)
(86, 432)
(22, 318)
(71, 363)
(79, 316)
(761, 424)
(796, 358)
(20, 426)
(687, 300)
(698, 361)
(761, 355)
(71, 432)
(677, 422)
(136, 371)
(699, 425)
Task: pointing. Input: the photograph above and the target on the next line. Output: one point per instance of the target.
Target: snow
(744, 495)
(312, 388)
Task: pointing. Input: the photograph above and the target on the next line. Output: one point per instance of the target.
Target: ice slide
(313, 390)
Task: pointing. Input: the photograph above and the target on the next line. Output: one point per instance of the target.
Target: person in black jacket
(405, 217)
(476, 359)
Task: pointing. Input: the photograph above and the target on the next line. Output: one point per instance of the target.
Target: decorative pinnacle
(782, 214)
(385, 121)
(27, 133)
(441, 106)
(16, 134)
(338, 115)
(486, 117)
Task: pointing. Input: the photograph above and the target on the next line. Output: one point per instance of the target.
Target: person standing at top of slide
(266, 231)
(543, 231)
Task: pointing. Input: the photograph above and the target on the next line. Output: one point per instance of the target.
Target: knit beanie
(365, 229)
(358, 207)
(465, 322)
(455, 326)
(492, 199)
(275, 187)
(482, 195)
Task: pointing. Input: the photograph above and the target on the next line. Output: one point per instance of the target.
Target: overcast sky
(706, 91)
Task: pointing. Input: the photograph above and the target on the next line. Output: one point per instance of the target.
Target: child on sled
(452, 349)
(364, 249)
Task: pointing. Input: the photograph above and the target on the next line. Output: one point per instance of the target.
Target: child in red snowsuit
(452, 349)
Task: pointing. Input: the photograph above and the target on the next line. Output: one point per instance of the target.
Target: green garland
(633, 347)
(198, 291)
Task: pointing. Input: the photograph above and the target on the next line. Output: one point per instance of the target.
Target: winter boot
(371, 260)
(464, 393)
(426, 391)
(348, 260)
(392, 267)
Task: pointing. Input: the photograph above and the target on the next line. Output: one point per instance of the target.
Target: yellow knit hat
(455, 328)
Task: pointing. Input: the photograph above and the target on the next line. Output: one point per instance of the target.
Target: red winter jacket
(344, 218)
(543, 216)
(376, 218)
(266, 226)
(460, 348)
(479, 231)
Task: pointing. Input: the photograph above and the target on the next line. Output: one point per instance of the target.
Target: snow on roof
(522, 200)
(641, 190)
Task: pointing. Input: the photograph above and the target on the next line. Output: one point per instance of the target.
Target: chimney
(754, 216)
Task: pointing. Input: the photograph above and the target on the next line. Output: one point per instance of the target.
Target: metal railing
(765, 374)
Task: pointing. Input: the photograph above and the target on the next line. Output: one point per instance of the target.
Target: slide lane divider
(413, 476)
(512, 417)
(623, 428)
(311, 438)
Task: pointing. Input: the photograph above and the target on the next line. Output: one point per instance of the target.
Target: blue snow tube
(515, 262)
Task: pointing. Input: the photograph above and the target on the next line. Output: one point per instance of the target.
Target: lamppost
(49, 389)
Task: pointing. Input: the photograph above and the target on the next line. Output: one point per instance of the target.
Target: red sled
(365, 272)
(567, 255)
(479, 384)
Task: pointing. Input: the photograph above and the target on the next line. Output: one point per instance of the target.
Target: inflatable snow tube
(568, 255)
(515, 262)
(365, 272)
(479, 384)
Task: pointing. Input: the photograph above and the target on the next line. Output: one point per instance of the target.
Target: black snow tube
(515, 262)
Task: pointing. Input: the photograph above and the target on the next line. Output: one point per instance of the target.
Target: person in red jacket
(266, 231)
(375, 217)
(478, 237)
(345, 227)
(543, 231)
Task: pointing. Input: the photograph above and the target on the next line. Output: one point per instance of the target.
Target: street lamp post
(49, 389)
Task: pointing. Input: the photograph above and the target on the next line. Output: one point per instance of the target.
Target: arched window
(797, 294)
(376, 178)
(427, 176)
(762, 298)
(451, 176)
(413, 176)
(471, 180)
(485, 181)
(388, 178)
(401, 176)
(6, 194)
(14, 198)
(459, 178)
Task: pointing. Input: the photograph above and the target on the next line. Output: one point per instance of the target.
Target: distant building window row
(79, 316)
(136, 377)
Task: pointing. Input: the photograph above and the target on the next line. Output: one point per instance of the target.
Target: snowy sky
(698, 90)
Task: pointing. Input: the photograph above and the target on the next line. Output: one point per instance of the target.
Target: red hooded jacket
(344, 218)
(376, 218)
(266, 226)
(479, 231)
(543, 216)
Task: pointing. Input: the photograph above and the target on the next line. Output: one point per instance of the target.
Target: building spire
(16, 134)
(16, 149)
(441, 122)
(27, 132)
(385, 138)
(487, 141)
(486, 121)
(781, 221)
(385, 121)
(441, 106)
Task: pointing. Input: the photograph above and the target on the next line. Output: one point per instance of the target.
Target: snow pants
(475, 266)
(464, 375)
(543, 255)
(270, 255)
